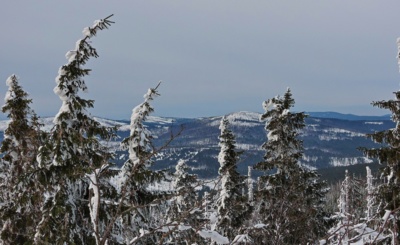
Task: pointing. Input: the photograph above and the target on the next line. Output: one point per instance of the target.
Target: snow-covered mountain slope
(328, 142)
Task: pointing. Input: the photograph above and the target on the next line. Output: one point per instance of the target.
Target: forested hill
(330, 140)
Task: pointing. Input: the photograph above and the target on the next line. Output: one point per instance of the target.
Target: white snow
(338, 134)
(110, 123)
(95, 199)
(173, 226)
(97, 23)
(348, 161)
(160, 120)
(285, 112)
(9, 80)
(272, 137)
(214, 236)
(9, 96)
(139, 135)
(70, 55)
(259, 226)
(142, 233)
(238, 119)
(386, 216)
(242, 239)
(374, 123)
(10, 92)
(86, 31)
(267, 105)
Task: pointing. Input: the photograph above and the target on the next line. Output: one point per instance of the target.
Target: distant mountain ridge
(322, 114)
(337, 115)
(330, 139)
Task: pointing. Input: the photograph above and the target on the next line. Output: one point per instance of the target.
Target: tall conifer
(20, 193)
(289, 195)
(136, 176)
(232, 205)
(73, 152)
(388, 154)
(183, 214)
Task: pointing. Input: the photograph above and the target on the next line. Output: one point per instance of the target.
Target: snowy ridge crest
(238, 119)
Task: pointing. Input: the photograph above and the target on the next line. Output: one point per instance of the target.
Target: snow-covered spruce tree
(136, 200)
(183, 217)
(250, 186)
(388, 154)
(370, 212)
(343, 230)
(73, 154)
(288, 202)
(20, 193)
(232, 205)
(355, 223)
(351, 199)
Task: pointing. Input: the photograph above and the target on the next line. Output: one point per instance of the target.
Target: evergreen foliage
(388, 155)
(60, 187)
(355, 219)
(72, 153)
(289, 196)
(18, 167)
(350, 211)
(232, 207)
(371, 205)
(183, 216)
(136, 176)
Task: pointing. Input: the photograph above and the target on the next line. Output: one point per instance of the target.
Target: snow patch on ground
(374, 123)
(348, 161)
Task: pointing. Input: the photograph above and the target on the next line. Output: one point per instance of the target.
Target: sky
(214, 57)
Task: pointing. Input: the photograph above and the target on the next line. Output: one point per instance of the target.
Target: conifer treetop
(75, 129)
(139, 139)
(17, 134)
(16, 98)
(283, 127)
(70, 76)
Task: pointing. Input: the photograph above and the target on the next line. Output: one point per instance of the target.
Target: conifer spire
(289, 195)
(73, 152)
(21, 194)
(231, 204)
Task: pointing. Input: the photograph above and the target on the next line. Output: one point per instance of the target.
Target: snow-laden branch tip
(10, 95)
(214, 236)
(239, 239)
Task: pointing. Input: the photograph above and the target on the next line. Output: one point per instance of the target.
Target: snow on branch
(70, 76)
(11, 81)
(139, 135)
(214, 236)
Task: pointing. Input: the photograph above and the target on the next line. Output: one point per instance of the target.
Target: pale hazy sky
(215, 57)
